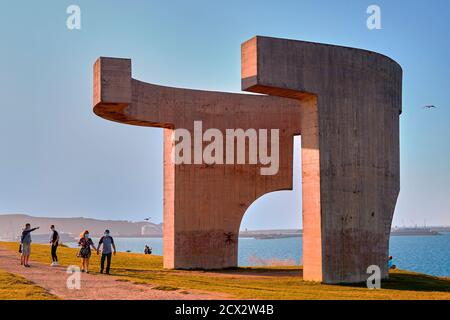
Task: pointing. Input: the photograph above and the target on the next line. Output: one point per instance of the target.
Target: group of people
(147, 249)
(108, 248)
(85, 243)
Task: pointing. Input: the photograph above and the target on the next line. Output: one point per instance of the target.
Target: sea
(425, 254)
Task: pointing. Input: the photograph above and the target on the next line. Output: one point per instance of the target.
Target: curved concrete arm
(293, 68)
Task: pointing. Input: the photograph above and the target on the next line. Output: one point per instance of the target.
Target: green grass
(14, 287)
(254, 282)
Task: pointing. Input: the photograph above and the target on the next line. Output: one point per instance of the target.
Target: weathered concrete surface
(203, 204)
(350, 148)
(344, 102)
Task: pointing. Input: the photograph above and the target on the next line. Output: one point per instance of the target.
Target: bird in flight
(147, 219)
(429, 107)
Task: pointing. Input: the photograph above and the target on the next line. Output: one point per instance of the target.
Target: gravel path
(93, 286)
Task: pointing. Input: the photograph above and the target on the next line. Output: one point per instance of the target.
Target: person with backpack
(107, 242)
(54, 241)
(25, 242)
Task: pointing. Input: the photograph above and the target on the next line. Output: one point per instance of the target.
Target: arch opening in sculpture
(285, 206)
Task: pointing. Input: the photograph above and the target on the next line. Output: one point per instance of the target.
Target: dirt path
(93, 286)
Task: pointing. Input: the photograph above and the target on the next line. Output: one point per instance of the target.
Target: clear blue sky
(58, 159)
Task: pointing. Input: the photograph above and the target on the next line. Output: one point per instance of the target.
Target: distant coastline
(417, 231)
(12, 224)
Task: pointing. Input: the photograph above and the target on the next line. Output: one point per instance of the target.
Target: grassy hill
(14, 287)
(252, 282)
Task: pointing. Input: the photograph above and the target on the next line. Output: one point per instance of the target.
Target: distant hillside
(11, 225)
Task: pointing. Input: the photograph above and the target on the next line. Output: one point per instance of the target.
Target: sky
(58, 159)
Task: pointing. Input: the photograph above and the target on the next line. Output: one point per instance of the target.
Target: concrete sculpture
(344, 102)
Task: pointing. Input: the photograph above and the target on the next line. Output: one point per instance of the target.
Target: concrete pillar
(350, 148)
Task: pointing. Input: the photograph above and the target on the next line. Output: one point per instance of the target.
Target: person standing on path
(54, 241)
(85, 251)
(107, 242)
(25, 241)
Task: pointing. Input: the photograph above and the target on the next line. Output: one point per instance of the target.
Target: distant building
(150, 229)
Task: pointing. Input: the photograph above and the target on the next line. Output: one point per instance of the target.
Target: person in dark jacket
(25, 241)
(54, 241)
(147, 250)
